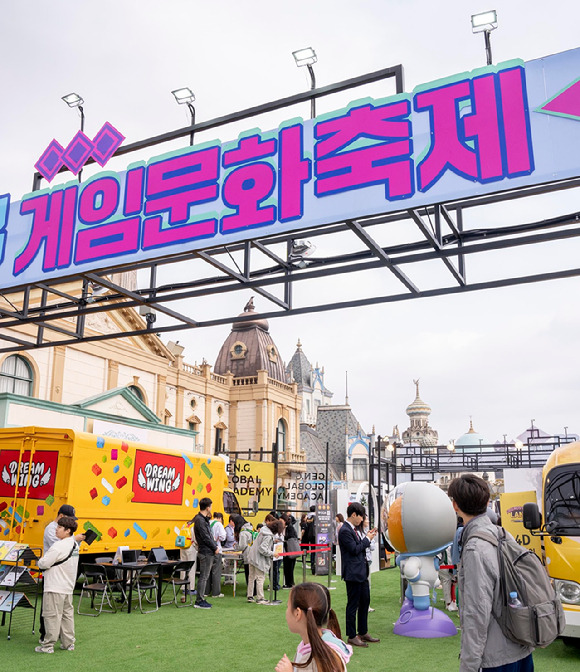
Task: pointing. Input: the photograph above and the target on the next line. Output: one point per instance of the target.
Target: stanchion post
(303, 565)
(329, 553)
(271, 578)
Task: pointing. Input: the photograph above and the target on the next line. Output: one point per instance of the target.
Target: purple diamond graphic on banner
(78, 151)
(51, 160)
(565, 103)
(105, 143)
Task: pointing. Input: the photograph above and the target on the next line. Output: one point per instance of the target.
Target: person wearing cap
(50, 530)
(59, 566)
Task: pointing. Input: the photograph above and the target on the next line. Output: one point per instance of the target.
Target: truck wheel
(571, 641)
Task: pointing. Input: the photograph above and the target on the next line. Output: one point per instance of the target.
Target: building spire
(416, 383)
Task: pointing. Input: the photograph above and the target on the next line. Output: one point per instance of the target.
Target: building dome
(249, 348)
(473, 442)
(419, 432)
(418, 406)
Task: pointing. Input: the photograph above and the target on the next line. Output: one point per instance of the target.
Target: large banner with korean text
(496, 128)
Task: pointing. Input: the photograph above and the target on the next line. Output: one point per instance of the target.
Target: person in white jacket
(59, 565)
(219, 536)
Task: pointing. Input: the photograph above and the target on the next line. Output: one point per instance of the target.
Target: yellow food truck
(129, 493)
(560, 529)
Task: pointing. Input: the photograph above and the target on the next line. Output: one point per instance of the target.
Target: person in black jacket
(291, 543)
(355, 572)
(309, 535)
(206, 550)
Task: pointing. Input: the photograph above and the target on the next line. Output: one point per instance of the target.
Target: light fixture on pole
(307, 57)
(149, 314)
(451, 446)
(185, 96)
(74, 100)
(485, 23)
(299, 251)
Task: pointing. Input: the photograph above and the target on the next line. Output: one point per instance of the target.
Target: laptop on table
(158, 555)
(130, 557)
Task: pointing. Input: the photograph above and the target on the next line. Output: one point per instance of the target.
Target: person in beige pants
(59, 565)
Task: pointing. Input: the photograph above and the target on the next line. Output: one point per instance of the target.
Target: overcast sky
(503, 356)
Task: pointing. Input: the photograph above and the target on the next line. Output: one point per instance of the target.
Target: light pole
(392, 448)
(485, 23)
(307, 57)
(74, 100)
(185, 96)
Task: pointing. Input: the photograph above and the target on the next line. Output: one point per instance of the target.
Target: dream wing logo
(158, 478)
(22, 477)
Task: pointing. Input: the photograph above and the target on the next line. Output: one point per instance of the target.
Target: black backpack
(540, 618)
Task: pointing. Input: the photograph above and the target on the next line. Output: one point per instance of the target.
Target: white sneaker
(41, 649)
(452, 606)
(262, 602)
(220, 595)
(67, 648)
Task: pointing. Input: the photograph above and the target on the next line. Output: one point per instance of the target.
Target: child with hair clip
(309, 615)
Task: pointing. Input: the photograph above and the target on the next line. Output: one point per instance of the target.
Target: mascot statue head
(421, 520)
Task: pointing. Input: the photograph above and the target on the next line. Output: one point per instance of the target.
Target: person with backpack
(484, 643)
(261, 555)
(188, 552)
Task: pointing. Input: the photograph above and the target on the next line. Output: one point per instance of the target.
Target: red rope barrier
(291, 553)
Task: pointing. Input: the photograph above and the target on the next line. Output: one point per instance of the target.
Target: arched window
(16, 376)
(281, 436)
(137, 392)
(359, 469)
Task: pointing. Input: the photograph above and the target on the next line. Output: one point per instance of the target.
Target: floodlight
(305, 56)
(485, 21)
(184, 95)
(73, 100)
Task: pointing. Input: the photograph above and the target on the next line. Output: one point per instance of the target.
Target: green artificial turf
(237, 636)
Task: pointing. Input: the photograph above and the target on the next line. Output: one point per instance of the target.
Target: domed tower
(249, 348)
(473, 442)
(419, 431)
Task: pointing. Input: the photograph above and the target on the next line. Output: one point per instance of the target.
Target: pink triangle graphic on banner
(567, 102)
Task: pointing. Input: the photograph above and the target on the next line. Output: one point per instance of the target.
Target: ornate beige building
(143, 386)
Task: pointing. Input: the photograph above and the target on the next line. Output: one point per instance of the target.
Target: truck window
(562, 495)
(231, 503)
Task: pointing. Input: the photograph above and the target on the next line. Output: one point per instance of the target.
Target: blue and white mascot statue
(421, 524)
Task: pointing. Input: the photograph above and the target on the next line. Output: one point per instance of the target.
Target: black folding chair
(146, 585)
(114, 575)
(96, 585)
(179, 579)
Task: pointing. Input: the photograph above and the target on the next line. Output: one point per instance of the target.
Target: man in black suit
(355, 571)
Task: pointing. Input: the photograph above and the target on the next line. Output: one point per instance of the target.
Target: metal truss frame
(267, 266)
